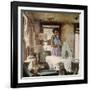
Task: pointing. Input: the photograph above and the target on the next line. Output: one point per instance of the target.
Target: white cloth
(66, 48)
(53, 62)
(26, 38)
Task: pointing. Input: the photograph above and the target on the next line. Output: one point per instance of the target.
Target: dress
(56, 41)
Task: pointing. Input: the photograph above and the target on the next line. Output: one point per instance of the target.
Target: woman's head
(55, 31)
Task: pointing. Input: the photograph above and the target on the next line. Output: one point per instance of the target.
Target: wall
(5, 46)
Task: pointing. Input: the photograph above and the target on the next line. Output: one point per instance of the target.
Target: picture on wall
(49, 44)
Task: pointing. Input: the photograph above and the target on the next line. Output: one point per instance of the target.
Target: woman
(55, 43)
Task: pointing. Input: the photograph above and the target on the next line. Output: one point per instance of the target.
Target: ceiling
(55, 17)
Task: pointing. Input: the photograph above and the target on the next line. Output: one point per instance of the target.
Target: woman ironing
(56, 43)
